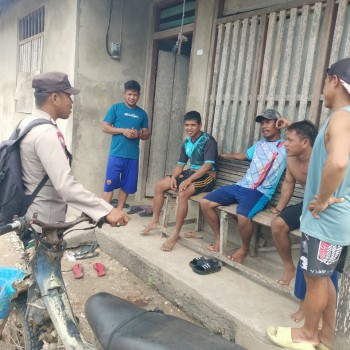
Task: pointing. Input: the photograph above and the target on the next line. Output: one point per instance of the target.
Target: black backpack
(13, 201)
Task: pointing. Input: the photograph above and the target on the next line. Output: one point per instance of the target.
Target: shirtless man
(300, 137)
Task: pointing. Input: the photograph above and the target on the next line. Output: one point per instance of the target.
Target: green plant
(150, 281)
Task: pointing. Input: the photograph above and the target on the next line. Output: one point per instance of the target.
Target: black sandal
(206, 266)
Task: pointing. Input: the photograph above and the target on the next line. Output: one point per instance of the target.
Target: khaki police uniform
(43, 152)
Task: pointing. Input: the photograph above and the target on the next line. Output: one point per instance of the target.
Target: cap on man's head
(268, 114)
(341, 69)
(53, 82)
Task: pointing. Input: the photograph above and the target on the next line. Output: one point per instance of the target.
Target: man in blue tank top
(128, 124)
(325, 217)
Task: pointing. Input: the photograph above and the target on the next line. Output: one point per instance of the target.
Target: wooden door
(169, 109)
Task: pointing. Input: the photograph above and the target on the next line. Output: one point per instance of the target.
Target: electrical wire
(109, 23)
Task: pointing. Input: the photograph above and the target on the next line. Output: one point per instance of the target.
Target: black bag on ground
(13, 200)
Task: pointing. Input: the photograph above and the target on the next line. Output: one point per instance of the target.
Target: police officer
(43, 151)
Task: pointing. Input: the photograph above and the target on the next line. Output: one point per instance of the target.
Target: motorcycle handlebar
(21, 223)
(10, 227)
(61, 225)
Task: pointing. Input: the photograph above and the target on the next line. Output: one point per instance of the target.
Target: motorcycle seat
(120, 325)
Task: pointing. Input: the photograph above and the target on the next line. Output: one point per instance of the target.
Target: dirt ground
(118, 281)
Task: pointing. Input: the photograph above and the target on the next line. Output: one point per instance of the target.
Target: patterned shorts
(318, 258)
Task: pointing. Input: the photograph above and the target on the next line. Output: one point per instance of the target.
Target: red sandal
(100, 268)
(78, 271)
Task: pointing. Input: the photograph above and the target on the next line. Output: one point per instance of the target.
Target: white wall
(74, 42)
(58, 54)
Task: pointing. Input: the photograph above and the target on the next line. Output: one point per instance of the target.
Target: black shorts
(291, 215)
(205, 183)
(318, 258)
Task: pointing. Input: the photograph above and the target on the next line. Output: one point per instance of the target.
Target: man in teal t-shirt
(128, 124)
(325, 219)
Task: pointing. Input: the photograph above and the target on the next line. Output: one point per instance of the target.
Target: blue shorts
(300, 284)
(249, 201)
(121, 173)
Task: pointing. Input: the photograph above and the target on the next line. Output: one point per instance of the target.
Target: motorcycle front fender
(46, 266)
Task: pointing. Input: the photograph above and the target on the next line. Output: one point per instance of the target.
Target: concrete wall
(101, 78)
(8, 40)
(58, 53)
(74, 42)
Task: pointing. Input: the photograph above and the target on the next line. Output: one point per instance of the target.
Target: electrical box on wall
(115, 51)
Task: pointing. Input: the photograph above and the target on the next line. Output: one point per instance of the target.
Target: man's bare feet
(150, 227)
(299, 336)
(213, 247)
(288, 275)
(239, 255)
(168, 245)
(299, 315)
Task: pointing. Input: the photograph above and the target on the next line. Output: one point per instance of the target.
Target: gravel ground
(118, 281)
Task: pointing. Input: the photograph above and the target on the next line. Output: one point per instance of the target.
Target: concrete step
(227, 302)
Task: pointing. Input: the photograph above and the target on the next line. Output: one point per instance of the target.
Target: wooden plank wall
(293, 57)
(233, 72)
(236, 6)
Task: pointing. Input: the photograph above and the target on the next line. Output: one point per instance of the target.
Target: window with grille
(30, 41)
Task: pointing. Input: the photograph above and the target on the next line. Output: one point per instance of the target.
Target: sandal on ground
(86, 250)
(135, 209)
(322, 347)
(195, 261)
(114, 202)
(100, 269)
(206, 266)
(78, 271)
(146, 213)
(282, 336)
(202, 259)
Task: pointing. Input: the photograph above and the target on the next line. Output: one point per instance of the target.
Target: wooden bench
(231, 171)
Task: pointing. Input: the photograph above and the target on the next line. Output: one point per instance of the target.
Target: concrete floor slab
(226, 302)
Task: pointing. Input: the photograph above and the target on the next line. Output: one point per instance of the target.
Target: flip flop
(114, 202)
(146, 213)
(282, 336)
(205, 267)
(322, 347)
(100, 268)
(78, 271)
(196, 261)
(135, 209)
(86, 250)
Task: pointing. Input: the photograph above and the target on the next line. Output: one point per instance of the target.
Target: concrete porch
(226, 302)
